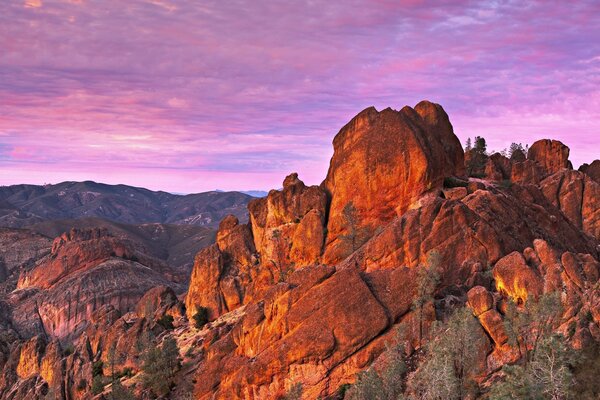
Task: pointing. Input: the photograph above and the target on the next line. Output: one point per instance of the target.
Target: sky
(189, 96)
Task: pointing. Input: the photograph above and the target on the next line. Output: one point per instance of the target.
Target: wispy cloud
(215, 94)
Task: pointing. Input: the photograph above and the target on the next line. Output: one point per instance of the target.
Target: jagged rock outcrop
(592, 170)
(286, 232)
(498, 167)
(490, 241)
(577, 196)
(312, 289)
(288, 225)
(551, 155)
(382, 163)
(85, 270)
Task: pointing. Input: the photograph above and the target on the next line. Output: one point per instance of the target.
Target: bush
(201, 317)
(68, 350)
(452, 182)
(82, 385)
(97, 385)
(166, 321)
(97, 368)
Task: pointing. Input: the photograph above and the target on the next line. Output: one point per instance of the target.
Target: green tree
(120, 392)
(528, 325)
(545, 371)
(295, 392)
(477, 158)
(548, 376)
(446, 369)
(166, 321)
(516, 152)
(200, 317)
(427, 280)
(468, 145)
(388, 383)
(159, 366)
(350, 215)
(97, 384)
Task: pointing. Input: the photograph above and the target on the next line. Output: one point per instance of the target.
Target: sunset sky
(189, 96)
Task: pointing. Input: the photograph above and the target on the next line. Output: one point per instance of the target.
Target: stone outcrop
(551, 155)
(382, 163)
(498, 167)
(577, 196)
(85, 270)
(288, 225)
(592, 170)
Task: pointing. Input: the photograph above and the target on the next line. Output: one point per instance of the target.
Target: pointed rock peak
(291, 179)
(552, 155)
(592, 170)
(432, 113)
(228, 223)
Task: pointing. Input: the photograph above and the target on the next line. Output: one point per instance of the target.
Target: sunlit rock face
(386, 219)
(382, 163)
(551, 155)
(577, 195)
(321, 278)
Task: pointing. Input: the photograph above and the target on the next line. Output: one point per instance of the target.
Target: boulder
(480, 300)
(517, 279)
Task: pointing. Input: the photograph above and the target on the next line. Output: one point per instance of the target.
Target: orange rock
(382, 163)
(457, 193)
(491, 321)
(551, 155)
(235, 242)
(30, 357)
(204, 290)
(527, 172)
(480, 300)
(592, 170)
(498, 167)
(516, 279)
(577, 196)
(282, 237)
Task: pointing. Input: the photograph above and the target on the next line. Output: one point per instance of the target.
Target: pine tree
(468, 145)
(445, 371)
(427, 281)
(160, 365)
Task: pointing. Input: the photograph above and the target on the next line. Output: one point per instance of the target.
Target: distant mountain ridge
(25, 205)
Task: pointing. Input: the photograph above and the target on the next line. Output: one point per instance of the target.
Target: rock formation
(382, 163)
(322, 278)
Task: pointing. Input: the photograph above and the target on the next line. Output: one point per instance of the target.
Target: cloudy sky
(188, 96)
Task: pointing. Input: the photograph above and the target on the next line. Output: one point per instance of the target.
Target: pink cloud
(236, 95)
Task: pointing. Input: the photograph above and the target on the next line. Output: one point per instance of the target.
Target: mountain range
(25, 205)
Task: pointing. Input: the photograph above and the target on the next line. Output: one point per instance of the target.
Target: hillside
(24, 205)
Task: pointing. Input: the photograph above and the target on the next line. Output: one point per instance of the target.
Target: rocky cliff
(314, 287)
(396, 195)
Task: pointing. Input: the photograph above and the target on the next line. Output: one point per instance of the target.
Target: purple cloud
(190, 96)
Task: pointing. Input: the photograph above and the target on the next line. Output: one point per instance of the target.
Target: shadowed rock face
(84, 270)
